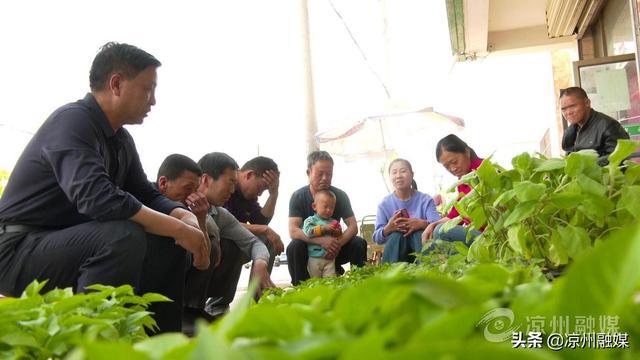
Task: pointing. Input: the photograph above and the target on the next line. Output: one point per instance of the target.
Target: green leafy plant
(48, 326)
(416, 311)
(410, 311)
(549, 209)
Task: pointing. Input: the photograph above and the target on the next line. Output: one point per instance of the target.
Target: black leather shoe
(189, 317)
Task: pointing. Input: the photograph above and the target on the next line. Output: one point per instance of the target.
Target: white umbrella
(380, 135)
(383, 136)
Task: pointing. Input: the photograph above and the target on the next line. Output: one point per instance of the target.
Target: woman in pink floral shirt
(459, 159)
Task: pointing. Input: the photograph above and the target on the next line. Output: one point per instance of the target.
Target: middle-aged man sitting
(588, 129)
(257, 175)
(78, 208)
(218, 181)
(346, 248)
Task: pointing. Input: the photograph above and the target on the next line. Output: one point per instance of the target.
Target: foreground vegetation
(457, 302)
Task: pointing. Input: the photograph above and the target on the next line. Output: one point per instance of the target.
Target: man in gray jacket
(588, 129)
(177, 179)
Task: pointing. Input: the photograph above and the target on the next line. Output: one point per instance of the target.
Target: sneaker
(216, 310)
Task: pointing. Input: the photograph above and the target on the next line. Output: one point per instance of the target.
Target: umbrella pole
(384, 151)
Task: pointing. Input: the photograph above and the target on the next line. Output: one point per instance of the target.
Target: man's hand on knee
(193, 240)
(275, 240)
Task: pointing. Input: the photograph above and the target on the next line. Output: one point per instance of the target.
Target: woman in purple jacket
(403, 215)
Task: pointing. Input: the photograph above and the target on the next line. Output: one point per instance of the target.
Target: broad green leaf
(487, 173)
(230, 320)
(596, 207)
(33, 289)
(57, 295)
(528, 191)
(450, 224)
(510, 176)
(557, 250)
(575, 240)
(320, 296)
(477, 215)
(123, 290)
(53, 327)
(461, 248)
(630, 200)
(591, 186)
(319, 346)
(469, 349)
(522, 163)
(478, 251)
(271, 322)
(19, 339)
(632, 174)
(370, 345)
(604, 278)
(153, 297)
(462, 204)
(487, 275)
(137, 318)
(566, 200)
(210, 344)
(156, 347)
(517, 240)
(180, 352)
(624, 148)
(70, 303)
(455, 324)
(504, 197)
(520, 212)
(550, 165)
(443, 292)
(266, 351)
(354, 313)
(577, 162)
(99, 350)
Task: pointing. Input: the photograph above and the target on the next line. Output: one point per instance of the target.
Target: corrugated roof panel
(569, 17)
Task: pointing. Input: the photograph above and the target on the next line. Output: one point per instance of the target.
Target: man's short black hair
(316, 156)
(574, 91)
(215, 163)
(259, 165)
(175, 164)
(125, 59)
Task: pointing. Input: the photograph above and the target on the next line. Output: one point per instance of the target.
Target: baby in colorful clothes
(321, 224)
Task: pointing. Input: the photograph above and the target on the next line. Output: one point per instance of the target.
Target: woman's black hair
(414, 184)
(452, 143)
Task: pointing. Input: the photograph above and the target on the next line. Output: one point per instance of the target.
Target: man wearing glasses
(588, 129)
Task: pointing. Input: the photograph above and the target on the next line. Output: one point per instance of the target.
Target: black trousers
(199, 285)
(220, 283)
(354, 252)
(109, 253)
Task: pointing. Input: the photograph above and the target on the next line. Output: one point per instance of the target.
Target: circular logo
(498, 325)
